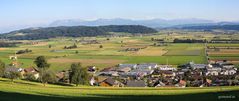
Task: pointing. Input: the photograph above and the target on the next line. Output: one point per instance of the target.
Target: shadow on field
(222, 96)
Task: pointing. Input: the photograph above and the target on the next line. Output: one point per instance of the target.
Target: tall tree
(78, 74)
(42, 65)
(47, 77)
(2, 68)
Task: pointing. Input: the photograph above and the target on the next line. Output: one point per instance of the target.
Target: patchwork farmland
(116, 50)
(226, 52)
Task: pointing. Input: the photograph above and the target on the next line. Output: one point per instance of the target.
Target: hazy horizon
(17, 14)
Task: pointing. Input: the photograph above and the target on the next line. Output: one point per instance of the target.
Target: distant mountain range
(154, 23)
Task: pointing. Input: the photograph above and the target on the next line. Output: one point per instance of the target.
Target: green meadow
(30, 91)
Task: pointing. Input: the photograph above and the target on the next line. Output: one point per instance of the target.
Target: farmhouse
(33, 71)
(13, 69)
(111, 82)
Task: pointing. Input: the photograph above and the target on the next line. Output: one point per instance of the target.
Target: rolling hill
(74, 31)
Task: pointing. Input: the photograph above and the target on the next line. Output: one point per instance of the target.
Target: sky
(36, 12)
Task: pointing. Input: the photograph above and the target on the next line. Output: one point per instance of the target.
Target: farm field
(28, 91)
(112, 53)
(220, 52)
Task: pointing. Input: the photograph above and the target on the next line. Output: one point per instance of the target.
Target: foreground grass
(28, 91)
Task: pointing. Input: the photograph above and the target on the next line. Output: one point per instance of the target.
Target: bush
(48, 77)
(2, 68)
(30, 77)
(12, 75)
(101, 46)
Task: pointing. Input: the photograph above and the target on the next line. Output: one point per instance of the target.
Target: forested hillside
(74, 31)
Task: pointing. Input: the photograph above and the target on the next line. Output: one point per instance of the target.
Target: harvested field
(151, 51)
(183, 52)
(2, 49)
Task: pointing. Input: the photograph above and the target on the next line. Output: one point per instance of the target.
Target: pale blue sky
(20, 12)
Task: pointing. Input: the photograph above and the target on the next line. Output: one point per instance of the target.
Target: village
(149, 75)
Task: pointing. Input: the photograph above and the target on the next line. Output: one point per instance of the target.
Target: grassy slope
(28, 91)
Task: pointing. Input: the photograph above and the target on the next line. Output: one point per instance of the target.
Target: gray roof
(198, 65)
(136, 84)
(110, 81)
(127, 65)
(12, 69)
(146, 65)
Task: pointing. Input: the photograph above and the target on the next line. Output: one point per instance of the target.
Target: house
(182, 83)
(33, 71)
(110, 82)
(136, 84)
(107, 69)
(142, 72)
(213, 71)
(14, 69)
(132, 66)
(159, 84)
(147, 66)
(92, 81)
(156, 74)
(91, 69)
(124, 70)
(60, 76)
(108, 72)
(63, 76)
(229, 71)
(167, 68)
(226, 65)
(169, 74)
(197, 66)
(208, 82)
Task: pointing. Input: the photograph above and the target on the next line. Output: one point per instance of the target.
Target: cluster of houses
(24, 73)
(153, 75)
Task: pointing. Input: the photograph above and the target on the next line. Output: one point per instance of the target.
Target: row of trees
(188, 41)
(78, 75)
(70, 47)
(23, 51)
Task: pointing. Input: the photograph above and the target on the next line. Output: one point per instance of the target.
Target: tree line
(9, 44)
